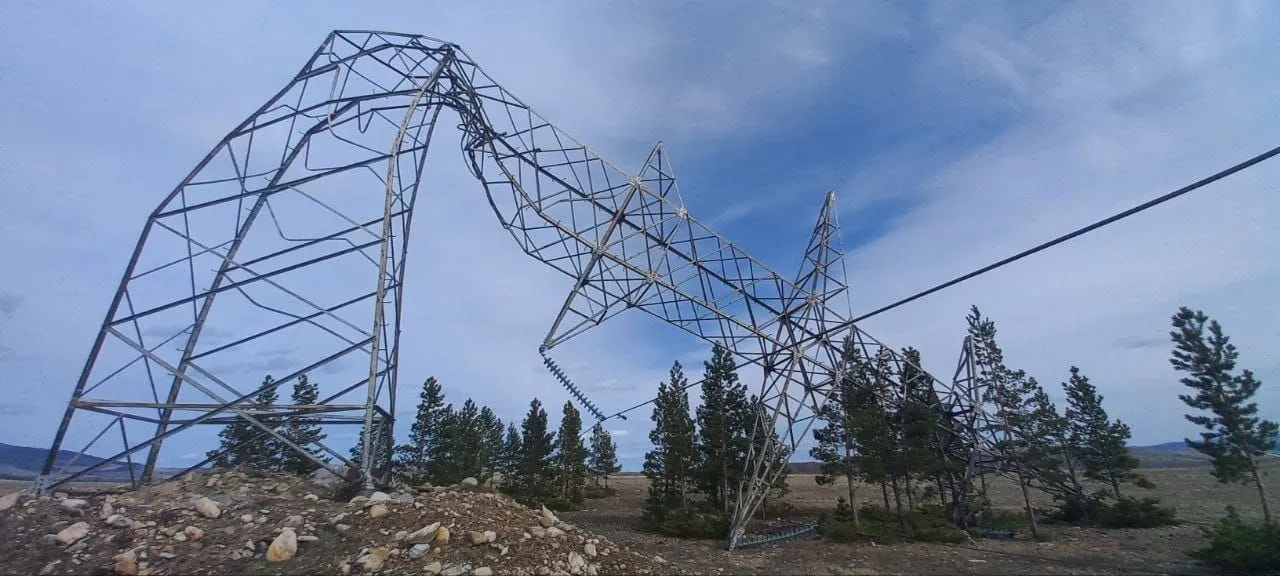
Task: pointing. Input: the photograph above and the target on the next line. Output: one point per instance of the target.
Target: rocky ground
(233, 522)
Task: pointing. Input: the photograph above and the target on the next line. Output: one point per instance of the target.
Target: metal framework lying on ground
(325, 176)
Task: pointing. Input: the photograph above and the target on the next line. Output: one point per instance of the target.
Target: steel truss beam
(324, 177)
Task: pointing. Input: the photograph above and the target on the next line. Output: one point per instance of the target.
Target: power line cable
(1039, 248)
(1065, 237)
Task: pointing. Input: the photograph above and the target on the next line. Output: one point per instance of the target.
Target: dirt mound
(230, 522)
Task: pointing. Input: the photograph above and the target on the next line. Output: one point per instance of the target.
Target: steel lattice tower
(323, 178)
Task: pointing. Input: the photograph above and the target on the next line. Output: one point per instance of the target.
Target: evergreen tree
(244, 442)
(604, 455)
(413, 459)
(837, 443)
(779, 465)
(1011, 392)
(716, 445)
(510, 463)
(381, 446)
(1101, 446)
(263, 454)
(1235, 437)
(491, 444)
(302, 433)
(1041, 436)
(534, 474)
(671, 465)
(460, 449)
(918, 418)
(571, 455)
(871, 430)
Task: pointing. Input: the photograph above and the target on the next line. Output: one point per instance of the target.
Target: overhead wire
(1237, 168)
(1078, 232)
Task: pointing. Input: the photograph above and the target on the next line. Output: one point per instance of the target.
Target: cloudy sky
(952, 136)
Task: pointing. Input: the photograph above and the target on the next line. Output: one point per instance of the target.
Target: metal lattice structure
(323, 179)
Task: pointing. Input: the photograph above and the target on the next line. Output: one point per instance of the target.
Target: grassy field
(1197, 496)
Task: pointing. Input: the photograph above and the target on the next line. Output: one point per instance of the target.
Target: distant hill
(25, 462)
(1166, 455)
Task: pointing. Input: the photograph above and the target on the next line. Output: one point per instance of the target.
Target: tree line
(889, 429)
(447, 444)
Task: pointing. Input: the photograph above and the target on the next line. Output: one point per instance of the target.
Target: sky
(952, 136)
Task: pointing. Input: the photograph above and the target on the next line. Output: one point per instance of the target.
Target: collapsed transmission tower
(324, 177)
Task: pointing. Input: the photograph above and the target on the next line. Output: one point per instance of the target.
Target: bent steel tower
(225, 281)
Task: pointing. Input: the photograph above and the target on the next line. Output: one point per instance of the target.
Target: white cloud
(1110, 116)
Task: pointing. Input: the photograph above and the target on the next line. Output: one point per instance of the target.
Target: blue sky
(953, 136)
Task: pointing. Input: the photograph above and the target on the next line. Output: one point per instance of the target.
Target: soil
(171, 529)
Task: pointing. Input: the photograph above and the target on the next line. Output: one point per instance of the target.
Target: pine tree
(836, 442)
(460, 449)
(715, 441)
(571, 455)
(604, 455)
(491, 444)
(243, 441)
(381, 447)
(510, 463)
(1236, 437)
(413, 458)
(870, 427)
(534, 473)
(918, 419)
(1011, 392)
(1041, 435)
(740, 419)
(305, 393)
(670, 466)
(1100, 445)
(781, 455)
(263, 454)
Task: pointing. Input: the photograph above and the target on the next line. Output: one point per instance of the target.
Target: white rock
(8, 501)
(590, 549)
(549, 515)
(419, 550)
(423, 536)
(372, 562)
(73, 533)
(342, 528)
(311, 497)
(577, 564)
(119, 521)
(482, 571)
(180, 537)
(293, 521)
(106, 511)
(659, 560)
(72, 504)
(208, 508)
(554, 532)
(246, 518)
(378, 511)
(308, 538)
(470, 481)
(433, 568)
(379, 497)
(193, 533)
(283, 547)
